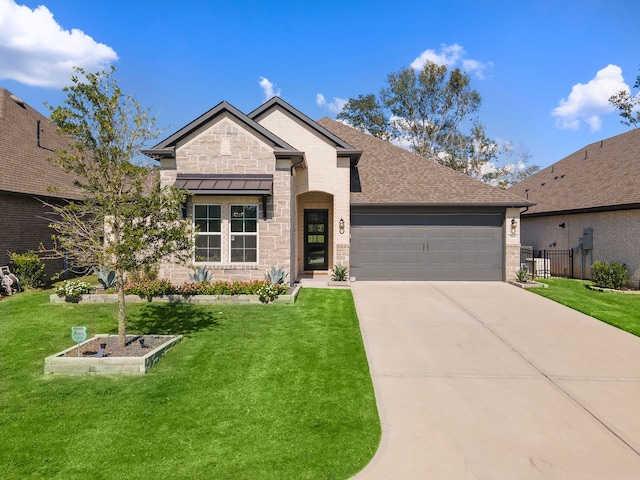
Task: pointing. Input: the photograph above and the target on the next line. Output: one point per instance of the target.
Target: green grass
(252, 392)
(617, 309)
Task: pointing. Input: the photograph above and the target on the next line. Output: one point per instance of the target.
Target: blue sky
(544, 69)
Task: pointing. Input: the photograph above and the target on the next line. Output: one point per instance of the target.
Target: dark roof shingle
(392, 175)
(25, 165)
(603, 174)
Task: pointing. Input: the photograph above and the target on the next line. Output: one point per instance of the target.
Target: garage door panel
(427, 247)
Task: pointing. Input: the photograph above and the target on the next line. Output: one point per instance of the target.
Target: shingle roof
(25, 167)
(604, 174)
(392, 175)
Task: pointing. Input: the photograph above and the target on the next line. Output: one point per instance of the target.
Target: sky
(544, 69)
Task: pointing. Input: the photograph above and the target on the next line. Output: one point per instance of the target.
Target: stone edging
(58, 364)
(528, 284)
(607, 290)
(191, 299)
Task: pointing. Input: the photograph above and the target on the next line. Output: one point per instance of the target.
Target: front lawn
(617, 309)
(252, 392)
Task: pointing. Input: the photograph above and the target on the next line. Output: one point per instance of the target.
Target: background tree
(432, 111)
(125, 221)
(628, 105)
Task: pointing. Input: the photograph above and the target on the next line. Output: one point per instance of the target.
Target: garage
(427, 244)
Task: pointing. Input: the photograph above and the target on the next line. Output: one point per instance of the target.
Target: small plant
(268, 292)
(106, 277)
(28, 268)
(340, 273)
(609, 274)
(522, 276)
(200, 274)
(276, 276)
(72, 291)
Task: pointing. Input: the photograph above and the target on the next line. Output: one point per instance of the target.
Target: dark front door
(316, 239)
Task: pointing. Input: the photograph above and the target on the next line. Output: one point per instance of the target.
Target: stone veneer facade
(226, 147)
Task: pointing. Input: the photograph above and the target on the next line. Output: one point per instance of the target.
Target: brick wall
(22, 228)
(615, 238)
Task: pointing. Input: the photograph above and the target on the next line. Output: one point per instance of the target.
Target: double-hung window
(244, 233)
(208, 219)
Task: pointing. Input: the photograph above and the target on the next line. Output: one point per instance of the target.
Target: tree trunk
(122, 315)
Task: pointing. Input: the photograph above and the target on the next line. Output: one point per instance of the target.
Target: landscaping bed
(103, 354)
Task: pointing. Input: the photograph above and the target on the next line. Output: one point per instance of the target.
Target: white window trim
(211, 234)
(256, 233)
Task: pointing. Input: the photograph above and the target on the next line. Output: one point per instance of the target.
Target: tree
(432, 111)
(628, 106)
(124, 221)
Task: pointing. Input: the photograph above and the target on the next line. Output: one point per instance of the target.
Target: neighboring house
(27, 141)
(275, 188)
(598, 188)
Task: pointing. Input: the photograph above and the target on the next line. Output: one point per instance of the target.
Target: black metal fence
(547, 263)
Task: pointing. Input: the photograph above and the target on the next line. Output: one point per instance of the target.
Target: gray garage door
(421, 246)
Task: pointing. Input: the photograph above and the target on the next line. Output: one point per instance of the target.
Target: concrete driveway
(486, 381)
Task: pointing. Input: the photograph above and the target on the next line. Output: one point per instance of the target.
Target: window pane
(251, 226)
(237, 211)
(214, 225)
(237, 225)
(251, 256)
(202, 225)
(215, 211)
(251, 211)
(250, 241)
(237, 255)
(200, 211)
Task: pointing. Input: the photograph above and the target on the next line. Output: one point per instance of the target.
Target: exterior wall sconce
(514, 226)
(341, 225)
(561, 225)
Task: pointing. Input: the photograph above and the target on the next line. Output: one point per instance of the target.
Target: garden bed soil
(132, 347)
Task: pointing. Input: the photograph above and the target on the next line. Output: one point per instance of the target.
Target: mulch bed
(114, 349)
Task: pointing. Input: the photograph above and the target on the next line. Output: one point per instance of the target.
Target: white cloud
(268, 88)
(335, 106)
(587, 102)
(452, 56)
(36, 50)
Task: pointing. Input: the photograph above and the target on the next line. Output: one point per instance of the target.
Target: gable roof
(604, 175)
(167, 146)
(24, 152)
(342, 147)
(387, 174)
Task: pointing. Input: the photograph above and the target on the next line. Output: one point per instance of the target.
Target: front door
(316, 239)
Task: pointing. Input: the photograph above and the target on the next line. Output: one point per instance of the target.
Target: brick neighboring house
(597, 187)
(274, 187)
(27, 140)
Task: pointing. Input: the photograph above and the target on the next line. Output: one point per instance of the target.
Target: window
(244, 233)
(207, 218)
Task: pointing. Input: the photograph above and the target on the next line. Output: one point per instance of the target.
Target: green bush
(340, 273)
(609, 274)
(149, 288)
(28, 268)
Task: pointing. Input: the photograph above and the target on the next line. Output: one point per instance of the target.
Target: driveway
(487, 381)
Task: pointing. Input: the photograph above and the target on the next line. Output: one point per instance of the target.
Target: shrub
(609, 274)
(149, 288)
(340, 273)
(73, 290)
(28, 268)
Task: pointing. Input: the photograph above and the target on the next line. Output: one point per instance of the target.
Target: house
(273, 187)
(589, 202)
(27, 141)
